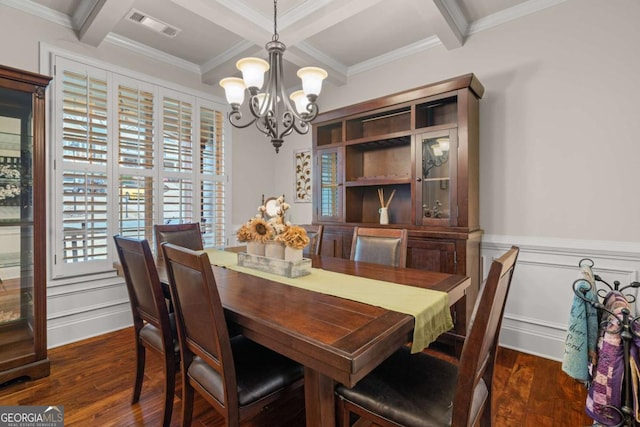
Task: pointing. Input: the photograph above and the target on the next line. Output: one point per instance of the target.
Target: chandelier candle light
(272, 111)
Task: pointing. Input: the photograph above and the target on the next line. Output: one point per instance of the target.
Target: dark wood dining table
(337, 340)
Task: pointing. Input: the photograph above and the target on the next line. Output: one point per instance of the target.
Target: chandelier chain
(275, 21)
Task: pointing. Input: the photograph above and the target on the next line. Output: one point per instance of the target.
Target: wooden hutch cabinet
(23, 331)
(421, 144)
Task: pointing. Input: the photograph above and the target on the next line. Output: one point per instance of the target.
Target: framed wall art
(303, 176)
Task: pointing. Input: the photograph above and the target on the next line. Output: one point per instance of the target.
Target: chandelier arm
(235, 116)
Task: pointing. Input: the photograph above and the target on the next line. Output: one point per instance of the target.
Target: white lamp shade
(312, 78)
(233, 90)
(443, 143)
(437, 151)
(300, 101)
(253, 70)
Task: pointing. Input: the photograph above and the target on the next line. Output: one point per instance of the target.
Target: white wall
(558, 158)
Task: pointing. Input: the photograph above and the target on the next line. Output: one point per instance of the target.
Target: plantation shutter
(212, 188)
(127, 154)
(84, 145)
(136, 152)
(177, 158)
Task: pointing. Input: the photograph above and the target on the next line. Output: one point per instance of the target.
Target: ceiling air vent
(152, 23)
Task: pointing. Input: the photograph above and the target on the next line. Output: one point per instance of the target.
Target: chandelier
(271, 109)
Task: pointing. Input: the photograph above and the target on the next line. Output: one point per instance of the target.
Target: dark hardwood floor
(93, 380)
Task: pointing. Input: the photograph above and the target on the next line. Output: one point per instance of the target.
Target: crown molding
(149, 52)
(40, 11)
(515, 12)
(394, 55)
(228, 55)
(322, 57)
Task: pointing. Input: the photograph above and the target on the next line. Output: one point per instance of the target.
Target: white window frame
(50, 56)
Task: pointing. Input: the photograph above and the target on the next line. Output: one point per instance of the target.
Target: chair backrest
(185, 235)
(202, 330)
(314, 232)
(386, 246)
(479, 350)
(143, 284)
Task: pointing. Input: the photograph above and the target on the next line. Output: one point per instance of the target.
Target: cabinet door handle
(419, 179)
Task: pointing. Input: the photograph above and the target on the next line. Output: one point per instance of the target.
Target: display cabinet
(422, 146)
(23, 343)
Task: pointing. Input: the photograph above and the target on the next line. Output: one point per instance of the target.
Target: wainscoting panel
(86, 306)
(537, 311)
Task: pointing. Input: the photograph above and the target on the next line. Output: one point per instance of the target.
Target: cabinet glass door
(329, 206)
(436, 178)
(16, 220)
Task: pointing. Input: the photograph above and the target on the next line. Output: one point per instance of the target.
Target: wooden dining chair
(238, 377)
(314, 232)
(186, 235)
(154, 326)
(386, 246)
(418, 390)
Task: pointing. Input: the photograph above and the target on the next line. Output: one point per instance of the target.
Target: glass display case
(23, 349)
(436, 178)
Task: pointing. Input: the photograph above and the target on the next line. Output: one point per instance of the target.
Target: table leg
(319, 399)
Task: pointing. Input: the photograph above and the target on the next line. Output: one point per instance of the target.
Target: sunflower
(260, 230)
(294, 237)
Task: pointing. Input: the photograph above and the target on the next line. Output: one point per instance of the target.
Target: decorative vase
(384, 215)
(274, 249)
(292, 254)
(255, 248)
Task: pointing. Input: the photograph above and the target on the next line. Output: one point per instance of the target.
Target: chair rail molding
(537, 311)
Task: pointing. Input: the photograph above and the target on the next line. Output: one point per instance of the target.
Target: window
(129, 154)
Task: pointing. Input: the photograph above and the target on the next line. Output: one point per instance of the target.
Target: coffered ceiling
(343, 36)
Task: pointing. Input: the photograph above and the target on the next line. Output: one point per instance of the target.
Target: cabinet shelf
(378, 142)
(368, 181)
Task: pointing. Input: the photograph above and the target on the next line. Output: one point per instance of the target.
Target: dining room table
(336, 339)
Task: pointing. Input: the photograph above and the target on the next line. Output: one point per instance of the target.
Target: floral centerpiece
(273, 237)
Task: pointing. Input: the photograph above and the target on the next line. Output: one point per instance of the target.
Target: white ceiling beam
(445, 15)
(104, 16)
(299, 25)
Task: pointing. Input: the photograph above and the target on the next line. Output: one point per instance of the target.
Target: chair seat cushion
(414, 390)
(152, 336)
(259, 372)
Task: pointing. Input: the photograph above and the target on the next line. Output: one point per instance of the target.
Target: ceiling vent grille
(154, 24)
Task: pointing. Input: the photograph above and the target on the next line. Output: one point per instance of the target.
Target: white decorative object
(274, 249)
(255, 248)
(275, 266)
(292, 254)
(384, 215)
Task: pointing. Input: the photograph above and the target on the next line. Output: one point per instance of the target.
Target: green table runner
(429, 308)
